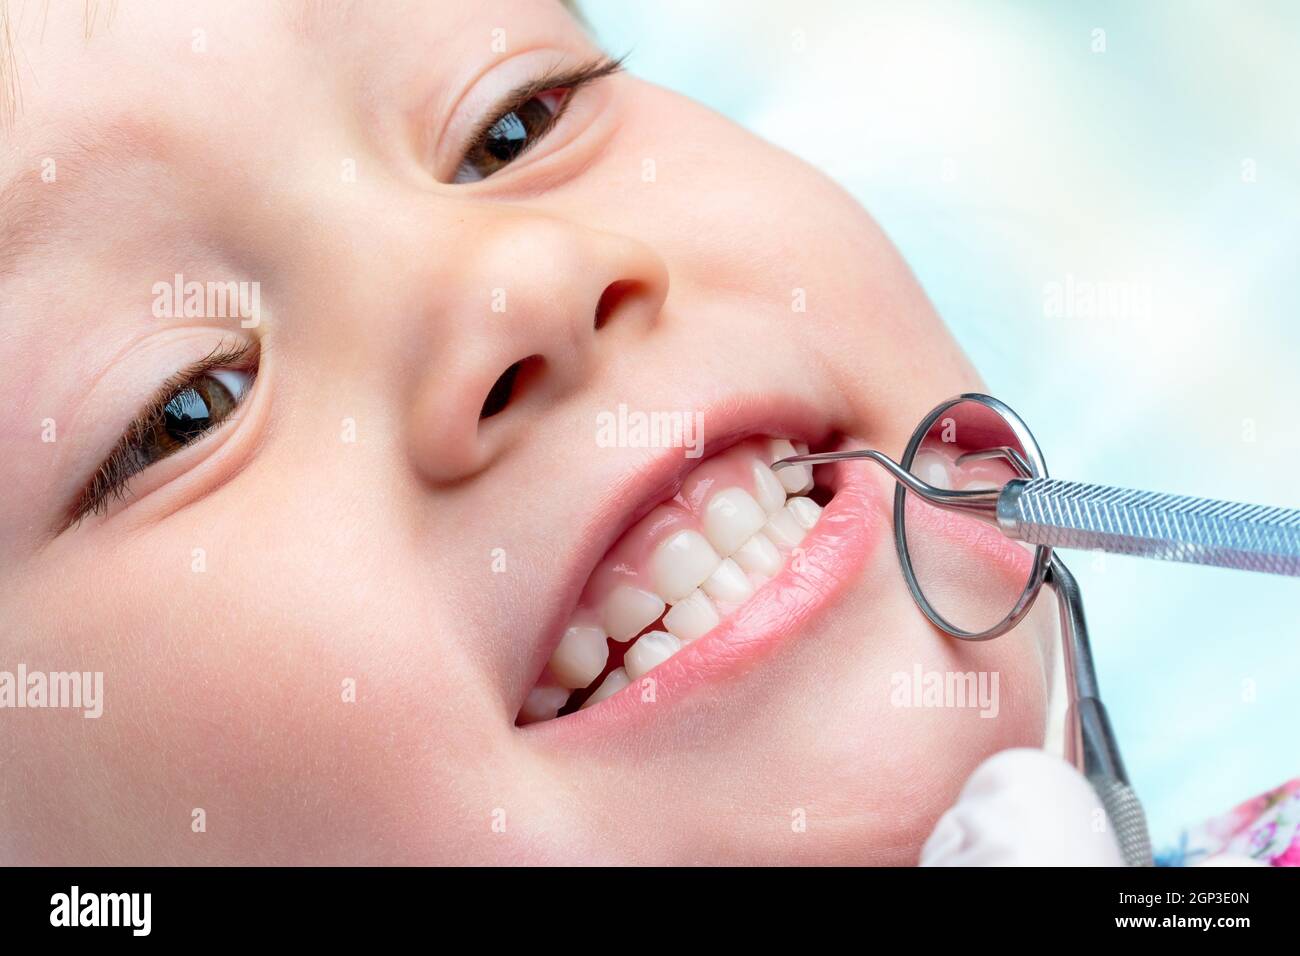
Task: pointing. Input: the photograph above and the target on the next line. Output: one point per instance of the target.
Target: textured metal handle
(1127, 819)
(1072, 514)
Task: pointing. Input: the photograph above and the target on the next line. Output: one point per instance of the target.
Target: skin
(326, 560)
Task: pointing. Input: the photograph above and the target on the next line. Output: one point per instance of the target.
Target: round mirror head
(966, 576)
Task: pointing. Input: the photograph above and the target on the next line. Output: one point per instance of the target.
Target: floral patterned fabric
(1266, 829)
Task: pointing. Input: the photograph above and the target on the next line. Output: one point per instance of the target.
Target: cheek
(294, 702)
(742, 218)
(917, 713)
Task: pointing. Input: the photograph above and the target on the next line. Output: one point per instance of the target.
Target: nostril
(506, 387)
(614, 293)
(499, 397)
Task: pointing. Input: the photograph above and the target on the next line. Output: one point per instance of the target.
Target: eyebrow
(311, 19)
(307, 19)
(95, 150)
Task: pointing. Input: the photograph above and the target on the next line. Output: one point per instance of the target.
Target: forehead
(52, 50)
(102, 94)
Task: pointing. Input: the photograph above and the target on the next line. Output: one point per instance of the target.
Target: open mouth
(690, 565)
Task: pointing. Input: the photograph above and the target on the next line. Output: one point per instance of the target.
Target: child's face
(319, 622)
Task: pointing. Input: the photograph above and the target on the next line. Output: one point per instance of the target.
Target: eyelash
(110, 480)
(570, 80)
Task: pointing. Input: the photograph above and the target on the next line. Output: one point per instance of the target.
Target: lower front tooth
(580, 656)
(692, 617)
(728, 584)
(784, 529)
(629, 611)
(759, 555)
(805, 511)
(542, 703)
(614, 682)
(650, 650)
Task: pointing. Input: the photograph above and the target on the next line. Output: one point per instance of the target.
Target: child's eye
(510, 135)
(525, 117)
(192, 410)
(186, 408)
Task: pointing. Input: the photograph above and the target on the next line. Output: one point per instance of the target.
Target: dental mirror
(965, 575)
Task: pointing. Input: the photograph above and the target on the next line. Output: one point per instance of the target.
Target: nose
(538, 300)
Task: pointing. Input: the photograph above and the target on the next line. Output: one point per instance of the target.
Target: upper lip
(650, 483)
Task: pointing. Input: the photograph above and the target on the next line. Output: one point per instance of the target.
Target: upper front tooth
(768, 490)
(629, 610)
(728, 584)
(692, 617)
(784, 529)
(805, 511)
(542, 703)
(614, 682)
(650, 650)
(682, 563)
(580, 656)
(759, 555)
(793, 478)
(731, 517)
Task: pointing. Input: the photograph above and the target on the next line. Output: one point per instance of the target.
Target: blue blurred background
(1104, 204)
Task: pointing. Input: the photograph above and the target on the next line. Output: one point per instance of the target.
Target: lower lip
(835, 552)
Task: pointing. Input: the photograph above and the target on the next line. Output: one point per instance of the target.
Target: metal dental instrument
(1146, 524)
(1046, 513)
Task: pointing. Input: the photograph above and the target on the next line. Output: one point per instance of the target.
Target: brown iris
(190, 412)
(503, 141)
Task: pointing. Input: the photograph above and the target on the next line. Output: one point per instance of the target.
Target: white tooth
(793, 478)
(692, 617)
(784, 529)
(650, 650)
(731, 517)
(932, 467)
(805, 511)
(778, 448)
(629, 610)
(542, 703)
(759, 555)
(979, 484)
(614, 682)
(728, 584)
(580, 656)
(682, 563)
(768, 490)
(802, 448)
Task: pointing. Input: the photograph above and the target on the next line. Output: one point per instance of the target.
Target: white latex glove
(1024, 808)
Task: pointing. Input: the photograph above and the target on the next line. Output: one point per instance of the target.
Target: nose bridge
(533, 273)
(519, 307)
